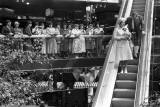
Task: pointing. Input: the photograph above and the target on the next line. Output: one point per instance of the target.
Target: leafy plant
(14, 89)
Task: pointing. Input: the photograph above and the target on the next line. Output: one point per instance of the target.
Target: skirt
(120, 51)
(43, 51)
(51, 46)
(79, 45)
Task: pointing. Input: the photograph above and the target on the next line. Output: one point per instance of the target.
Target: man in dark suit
(135, 26)
(29, 41)
(28, 30)
(7, 30)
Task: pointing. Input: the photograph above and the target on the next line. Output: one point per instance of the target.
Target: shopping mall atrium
(79, 53)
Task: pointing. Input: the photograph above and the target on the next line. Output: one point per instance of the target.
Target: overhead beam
(98, 1)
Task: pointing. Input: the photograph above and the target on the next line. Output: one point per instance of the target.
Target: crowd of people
(65, 39)
(70, 39)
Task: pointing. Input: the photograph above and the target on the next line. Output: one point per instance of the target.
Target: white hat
(16, 23)
(121, 20)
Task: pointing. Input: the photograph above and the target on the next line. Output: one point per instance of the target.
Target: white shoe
(125, 71)
(122, 72)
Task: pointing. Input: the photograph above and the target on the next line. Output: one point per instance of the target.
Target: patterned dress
(78, 42)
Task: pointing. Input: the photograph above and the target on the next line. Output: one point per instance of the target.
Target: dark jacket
(6, 30)
(28, 31)
(138, 23)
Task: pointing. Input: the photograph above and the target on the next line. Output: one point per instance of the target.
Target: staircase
(125, 86)
(120, 90)
(139, 6)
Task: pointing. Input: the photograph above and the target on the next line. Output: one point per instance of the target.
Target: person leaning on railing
(98, 41)
(29, 41)
(58, 31)
(77, 47)
(70, 40)
(43, 32)
(90, 43)
(7, 30)
(36, 29)
(64, 41)
(83, 41)
(18, 32)
(51, 42)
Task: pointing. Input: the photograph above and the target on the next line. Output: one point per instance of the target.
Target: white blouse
(50, 31)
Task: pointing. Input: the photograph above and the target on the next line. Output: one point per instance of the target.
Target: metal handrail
(142, 86)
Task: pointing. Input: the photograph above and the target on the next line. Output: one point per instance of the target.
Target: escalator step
(132, 62)
(125, 84)
(124, 93)
(130, 68)
(127, 76)
(122, 102)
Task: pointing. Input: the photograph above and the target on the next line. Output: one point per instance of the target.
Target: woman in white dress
(58, 37)
(51, 43)
(43, 32)
(83, 42)
(122, 46)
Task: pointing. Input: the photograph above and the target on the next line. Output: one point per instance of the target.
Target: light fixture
(96, 6)
(100, 5)
(27, 3)
(20, 1)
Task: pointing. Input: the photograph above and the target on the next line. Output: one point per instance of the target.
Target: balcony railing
(98, 44)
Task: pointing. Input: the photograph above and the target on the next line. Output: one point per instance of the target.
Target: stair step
(138, 6)
(122, 102)
(139, 1)
(124, 93)
(130, 68)
(132, 62)
(141, 14)
(127, 76)
(125, 84)
(138, 10)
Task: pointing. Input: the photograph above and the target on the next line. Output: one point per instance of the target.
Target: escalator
(128, 90)
(125, 86)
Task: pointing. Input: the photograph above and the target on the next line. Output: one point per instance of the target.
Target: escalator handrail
(142, 87)
(122, 13)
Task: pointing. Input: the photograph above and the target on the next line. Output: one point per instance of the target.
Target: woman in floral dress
(77, 44)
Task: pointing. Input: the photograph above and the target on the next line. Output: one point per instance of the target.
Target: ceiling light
(27, 3)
